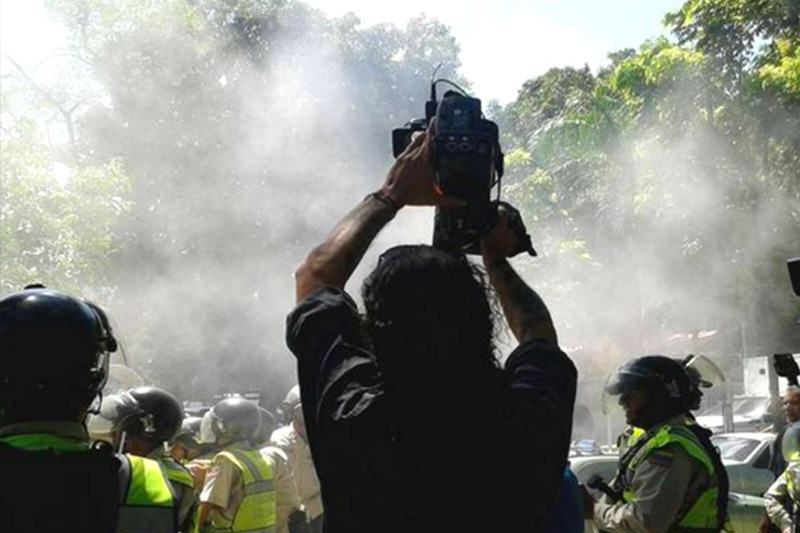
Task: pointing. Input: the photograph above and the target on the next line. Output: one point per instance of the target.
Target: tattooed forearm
(332, 263)
(526, 313)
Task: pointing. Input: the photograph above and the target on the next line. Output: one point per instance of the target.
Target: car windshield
(734, 448)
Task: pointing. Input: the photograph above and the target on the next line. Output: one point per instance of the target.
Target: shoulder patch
(661, 458)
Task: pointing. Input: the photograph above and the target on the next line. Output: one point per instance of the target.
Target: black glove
(298, 522)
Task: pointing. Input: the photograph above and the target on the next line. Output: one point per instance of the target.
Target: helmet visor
(705, 369)
(611, 395)
(111, 416)
(207, 433)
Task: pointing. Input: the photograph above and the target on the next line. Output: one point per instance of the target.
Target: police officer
(239, 491)
(671, 478)
(782, 499)
(291, 438)
(141, 422)
(54, 357)
(185, 445)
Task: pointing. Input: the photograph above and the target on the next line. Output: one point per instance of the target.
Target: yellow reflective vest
(256, 513)
(703, 514)
(146, 502)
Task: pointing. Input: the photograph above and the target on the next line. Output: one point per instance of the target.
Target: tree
(57, 222)
(655, 173)
(245, 127)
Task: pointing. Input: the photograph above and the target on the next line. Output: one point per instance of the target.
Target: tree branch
(65, 113)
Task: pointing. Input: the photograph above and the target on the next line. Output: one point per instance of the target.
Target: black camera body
(468, 162)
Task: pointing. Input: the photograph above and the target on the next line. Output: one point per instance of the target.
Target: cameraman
(413, 424)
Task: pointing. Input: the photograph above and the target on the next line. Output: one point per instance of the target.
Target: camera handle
(515, 224)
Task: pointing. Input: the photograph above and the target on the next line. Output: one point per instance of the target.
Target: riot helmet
(190, 430)
(662, 380)
(186, 443)
(54, 354)
(149, 414)
(290, 406)
(261, 437)
(230, 420)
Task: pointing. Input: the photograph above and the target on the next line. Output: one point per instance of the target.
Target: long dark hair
(429, 311)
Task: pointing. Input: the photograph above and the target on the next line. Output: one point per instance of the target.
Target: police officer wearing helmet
(239, 491)
(54, 357)
(782, 499)
(142, 421)
(291, 438)
(671, 479)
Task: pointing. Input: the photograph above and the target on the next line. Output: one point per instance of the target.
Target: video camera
(468, 163)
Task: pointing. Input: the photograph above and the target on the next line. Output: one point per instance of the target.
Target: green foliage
(199, 135)
(675, 166)
(241, 124)
(59, 230)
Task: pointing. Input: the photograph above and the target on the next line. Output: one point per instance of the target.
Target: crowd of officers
(160, 471)
(131, 462)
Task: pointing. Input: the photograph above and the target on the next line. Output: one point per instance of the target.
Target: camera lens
(451, 147)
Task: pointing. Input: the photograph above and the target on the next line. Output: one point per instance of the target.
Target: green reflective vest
(176, 473)
(702, 515)
(791, 479)
(146, 500)
(149, 503)
(256, 513)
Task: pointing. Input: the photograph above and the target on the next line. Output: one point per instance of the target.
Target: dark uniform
(53, 361)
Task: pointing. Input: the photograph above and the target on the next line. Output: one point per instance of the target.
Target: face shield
(704, 370)
(611, 395)
(627, 378)
(791, 443)
(207, 434)
(122, 378)
(110, 418)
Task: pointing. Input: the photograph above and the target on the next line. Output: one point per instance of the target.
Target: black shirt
(381, 472)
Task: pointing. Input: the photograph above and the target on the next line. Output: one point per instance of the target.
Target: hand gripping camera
(468, 164)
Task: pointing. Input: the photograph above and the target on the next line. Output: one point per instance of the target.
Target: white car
(746, 457)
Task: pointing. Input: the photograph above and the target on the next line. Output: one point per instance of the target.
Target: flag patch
(660, 459)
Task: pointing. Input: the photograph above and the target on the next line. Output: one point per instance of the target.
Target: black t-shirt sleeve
(541, 382)
(318, 320)
(337, 374)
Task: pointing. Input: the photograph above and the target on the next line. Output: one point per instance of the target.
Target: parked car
(750, 413)
(746, 457)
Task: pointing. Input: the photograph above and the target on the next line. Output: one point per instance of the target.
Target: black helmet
(232, 419)
(662, 377)
(265, 428)
(148, 413)
(53, 348)
(189, 433)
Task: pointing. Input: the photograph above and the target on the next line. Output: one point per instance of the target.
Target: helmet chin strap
(122, 438)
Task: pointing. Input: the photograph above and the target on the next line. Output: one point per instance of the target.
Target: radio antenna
(433, 82)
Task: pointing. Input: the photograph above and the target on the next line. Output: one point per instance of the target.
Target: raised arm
(409, 182)
(526, 313)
